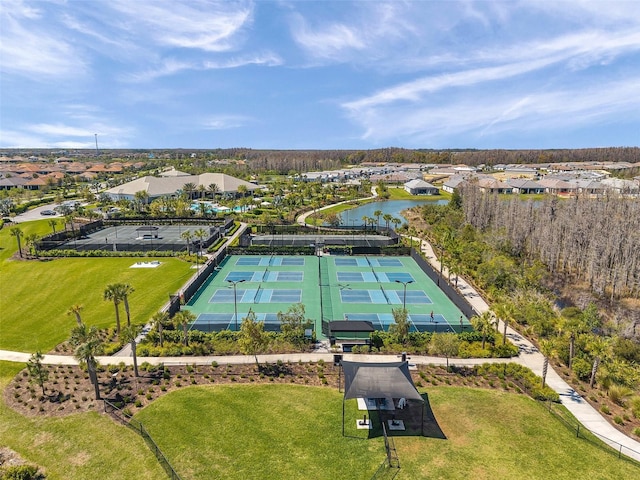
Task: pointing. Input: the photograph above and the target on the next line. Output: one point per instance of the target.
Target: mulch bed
(68, 389)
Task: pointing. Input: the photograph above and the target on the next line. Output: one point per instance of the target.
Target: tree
(113, 293)
(53, 223)
(75, 310)
(158, 319)
(31, 242)
(377, 214)
(125, 290)
(38, 373)
(396, 221)
(548, 350)
(252, 339)
(599, 347)
(18, 233)
(293, 323)
(129, 335)
(182, 319)
(188, 189)
(446, 344)
(387, 217)
(242, 190)
(505, 312)
(87, 345)
(213, 189)
(483, 324)
(401, 324)
(200, 234)
(187, 236)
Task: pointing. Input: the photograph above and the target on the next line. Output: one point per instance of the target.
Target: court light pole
(235, 300)
(404, 296)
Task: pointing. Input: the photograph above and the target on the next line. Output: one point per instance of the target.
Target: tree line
(595, 240)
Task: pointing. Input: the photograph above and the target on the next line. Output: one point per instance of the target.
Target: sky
(319, 74)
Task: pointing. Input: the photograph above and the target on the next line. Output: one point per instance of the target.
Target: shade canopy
(378, 380)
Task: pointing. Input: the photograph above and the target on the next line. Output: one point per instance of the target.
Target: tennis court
(330, 287)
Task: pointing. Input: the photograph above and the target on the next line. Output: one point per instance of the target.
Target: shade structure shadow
(417, 417)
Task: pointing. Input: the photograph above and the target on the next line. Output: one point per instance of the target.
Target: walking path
(529, 356)
(302, 218)
(532, 358)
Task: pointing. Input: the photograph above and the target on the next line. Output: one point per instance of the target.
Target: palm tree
(548, 350)
(87, 345)
(599, 347)
(187, 236)
(158, 319)
(377, 214)
(201, 191)
(18, 233)
(182, 319)
(38, 373)
(125, 291)
(483, 324)
(129, 335)
(242, 190)
(213, 189)
(200, 234)
(396, 221)
(53, 223)
(365, 221)
(112, 292)
(505, 311)
(387, 218)
(31, 242)
(75, 310)
(188, 189)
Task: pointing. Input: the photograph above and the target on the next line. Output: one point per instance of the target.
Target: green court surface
(330, 287)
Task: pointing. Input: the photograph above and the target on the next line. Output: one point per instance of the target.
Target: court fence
(449, 290)
(138, 427)
(607, 444)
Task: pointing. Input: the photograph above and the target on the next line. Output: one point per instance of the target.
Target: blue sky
(319, 75)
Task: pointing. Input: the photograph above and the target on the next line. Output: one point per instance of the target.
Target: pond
(393, 207)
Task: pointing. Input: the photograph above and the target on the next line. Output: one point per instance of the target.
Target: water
(393, 207)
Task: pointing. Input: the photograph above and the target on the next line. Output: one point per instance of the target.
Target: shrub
(618, 394)
(635, 406)
(618, 420)
(581, 368)
(22, 472)
(636, 431)
(605, 409)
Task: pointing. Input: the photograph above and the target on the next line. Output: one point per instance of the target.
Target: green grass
(77, 447)
(36, 295)
(269, 431)
(260, 432)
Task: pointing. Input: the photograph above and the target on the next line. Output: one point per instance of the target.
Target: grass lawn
(281, 431)
(36, 295)
(77, 447)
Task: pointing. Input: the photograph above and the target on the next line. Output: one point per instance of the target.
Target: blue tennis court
(256, 295)
(381, 277)
(384, 296)
(264, 276)
(270, 261)
(367, 262)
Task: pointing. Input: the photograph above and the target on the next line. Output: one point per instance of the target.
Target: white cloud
(487, 116)
(225, 122)
(29, 47)
(203, 25)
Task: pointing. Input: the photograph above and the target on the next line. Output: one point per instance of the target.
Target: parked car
(47, 212)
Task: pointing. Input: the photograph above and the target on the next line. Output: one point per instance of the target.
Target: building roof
(378, 380)
(417, 183)
(165, 186)
(351, 326)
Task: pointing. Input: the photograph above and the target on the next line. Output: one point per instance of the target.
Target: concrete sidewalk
(530, 357)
